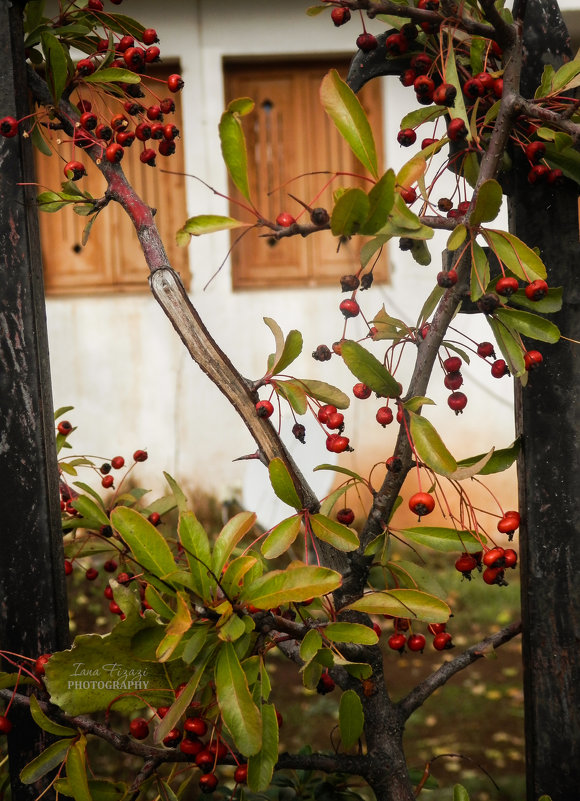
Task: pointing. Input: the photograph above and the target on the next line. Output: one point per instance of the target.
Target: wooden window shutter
(289, 135)
(112, 259)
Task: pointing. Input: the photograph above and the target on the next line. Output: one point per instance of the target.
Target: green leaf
(549, 304)
(457, 237)
(178, 493)
(404, 222)
(235, 572)
(337, 469)
(233, 145)
(179, 624)
(430, 305)
(500, 460)
(345, 110)
(430, 447)
(88, 228)
(528, 324)
(291, 350)
(414, 604)
(234, 530)
(388, 327)
(488, 203)
(351, 632)
(369, 248)
(123, 24)
(412, 576)
(113, 75)
(349, 213)
(479, 272)
(411, 172)
(274, 358)
(282, 483)
(509, 344)
(294, 393)
(468, 471)
(261, 765)
(147, 544)
(295, 584)
(93, 514)
(351, 718)
(239, 713)
(460, 793)
(39, 141)
(44, 722)
(100, 789)
(76, 770)
(325, 393)
(420, 252)
(210, 223)
(281, 537)
(334, 533)
(195, 541)
(57, 64)
(327, 504)
(554, 83)
(451, 76)
(420, 115)
(381, 199)
(310, 645)
(567, 160)
(368, 369)
(516, 255)
(446, 540)
(178, 707)
(417, 402)
(49, 759)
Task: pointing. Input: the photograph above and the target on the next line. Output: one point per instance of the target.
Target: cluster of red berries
(492, 561)
(399, 640)
(95, 126)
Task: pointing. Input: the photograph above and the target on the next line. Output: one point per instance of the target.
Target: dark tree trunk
(33, 612)
(548, 420)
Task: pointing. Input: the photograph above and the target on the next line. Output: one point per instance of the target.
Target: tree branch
(422, 691)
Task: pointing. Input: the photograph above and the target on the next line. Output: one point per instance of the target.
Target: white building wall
(119, 362)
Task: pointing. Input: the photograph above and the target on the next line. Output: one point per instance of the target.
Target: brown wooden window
(112, 259)
(290, 135)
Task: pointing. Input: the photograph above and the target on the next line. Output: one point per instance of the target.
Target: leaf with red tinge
(295, 584)
(239, 712)
(281, 537)
(234, 530)
(344, 108)
(282, 483)
(340, 537)
(233, 144)
(414, 604)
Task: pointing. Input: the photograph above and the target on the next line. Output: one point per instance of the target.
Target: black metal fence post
(33, 609)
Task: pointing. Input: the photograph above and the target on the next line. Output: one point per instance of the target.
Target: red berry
(117, 462)
(421, 63)
(119, 122)
(149, 36)
(114, 153)
(361, 391)
(64, 428)
(5, 725)
(123, 578)
(506, 286)
(170, 131)
(335, 420)
(510, 558)
(196, 726)
(453, 380)
(345, 516)
(447, 278)
(191, 746)
(340, 16)
(421, 503)
(486, 79)
(325, 411)
(465, 564)
(205, 760)
(409, 194)
(436, 628)
(397, 642)
(406, 137)
(509, 523)
(424, 86)
(115, 608)
(492, 556)
(125, 138)
(349, 308)
(125, 43)
(108, 593)
(366, 42)
(442, 642)
(139, 728)
(485, 350)
(152, 55)
(154, 518)
(498, 87)
(452, 364)
(68, 567)
(532, 358)
(473, 88)
(241, 772)
(85, 67)
(40, 663)
(445, 94)
(536, 290)
(8, 127)
(325, 684)
(172, 738)
(335, 443)
(396, 44)
(208, 783)
(107, 481)
(167, 147)
(153, 113)
(407, 77)
(140, 456)
(535, 151)
(88, 121)
(493, 575)
(538, 174)
(499, 368)
(104, 132)
(456, 129)
(264, 408)
(167, 105)
(416, 642)
(384, 416)
(175, 83)
(457, 401)
(91, 574)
